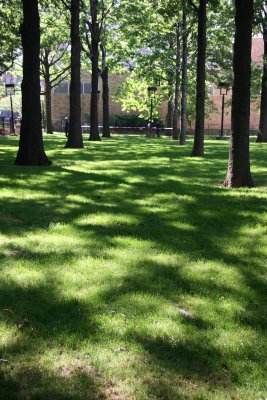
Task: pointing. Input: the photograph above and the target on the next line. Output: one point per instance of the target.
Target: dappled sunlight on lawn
(141, 277)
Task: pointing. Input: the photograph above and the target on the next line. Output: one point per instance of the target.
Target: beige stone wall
(60, 108)
(214, 119)
(60, 102)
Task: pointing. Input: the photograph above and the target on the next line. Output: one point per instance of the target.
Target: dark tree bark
(31, 150)
(175, 131)
(48, 108)
(198, 149)
(169, 116)
(171, 82)
(238, 174)
(75, 140)
(262, 137)
(48, 90)
(105, 94)
(184, 76)
(95, 36)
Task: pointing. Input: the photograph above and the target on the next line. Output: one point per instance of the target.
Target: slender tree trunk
(48, 108)
(175, 132)
(31, 150)
(238, 174)
(94, 131)
(48, 90)
(169, 116)
(184, 77)
(105, 94)
(198, 149)
(75, 140)
(262, 137)
(171, 82)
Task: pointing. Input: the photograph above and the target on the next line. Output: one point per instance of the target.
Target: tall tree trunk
(238, 173)
(31, 149)
(75, 139)
(262, 137)
(184, 76)
(169, 116)
(94, 131)
(198, 149)
(48, 90)
(105, 94)
(175, 132)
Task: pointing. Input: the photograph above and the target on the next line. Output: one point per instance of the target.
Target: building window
(87, 88)
(63, 88)
(211, 91)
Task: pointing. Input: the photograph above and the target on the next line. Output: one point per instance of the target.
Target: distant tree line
(177, 44)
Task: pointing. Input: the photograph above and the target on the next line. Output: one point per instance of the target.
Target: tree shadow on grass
(61, 326)
(160, 199)
(37, 384)
(51, 365)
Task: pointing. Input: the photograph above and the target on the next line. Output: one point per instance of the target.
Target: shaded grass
(102, 250)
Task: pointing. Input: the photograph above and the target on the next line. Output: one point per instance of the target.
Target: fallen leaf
(24, 324)
(8, 311)
(184, 312)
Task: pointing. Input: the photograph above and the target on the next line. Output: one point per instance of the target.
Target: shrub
(126, 120)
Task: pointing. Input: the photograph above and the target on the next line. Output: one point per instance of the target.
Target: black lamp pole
(151, 114)
(222, 118)
(10, 90)
(12, 128)
(223, 93)
(151, 91)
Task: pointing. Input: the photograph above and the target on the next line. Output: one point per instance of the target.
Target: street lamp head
(224, 87)
(42, 88)
(151, 90)
(10, 89)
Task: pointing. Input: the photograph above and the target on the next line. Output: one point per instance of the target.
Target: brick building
(214, 120)
(60, 99)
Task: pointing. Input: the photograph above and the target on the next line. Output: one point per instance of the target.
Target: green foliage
(260, 14)
(5, 103)
(127, 120)
(133, 95)
(104, 10)
(147, 41)
(220, 33)
(144, 41)
(256, 81)
(86, 118)
(55, 37)
(10, 19)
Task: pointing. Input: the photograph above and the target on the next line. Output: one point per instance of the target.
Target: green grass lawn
(104, 251)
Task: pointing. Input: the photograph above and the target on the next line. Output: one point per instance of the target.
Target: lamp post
(43, 93)
(223, 92)
(151, 92)
(10, 91)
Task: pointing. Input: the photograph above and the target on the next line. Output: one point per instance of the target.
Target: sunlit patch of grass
(140, 275)
(107, 219)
